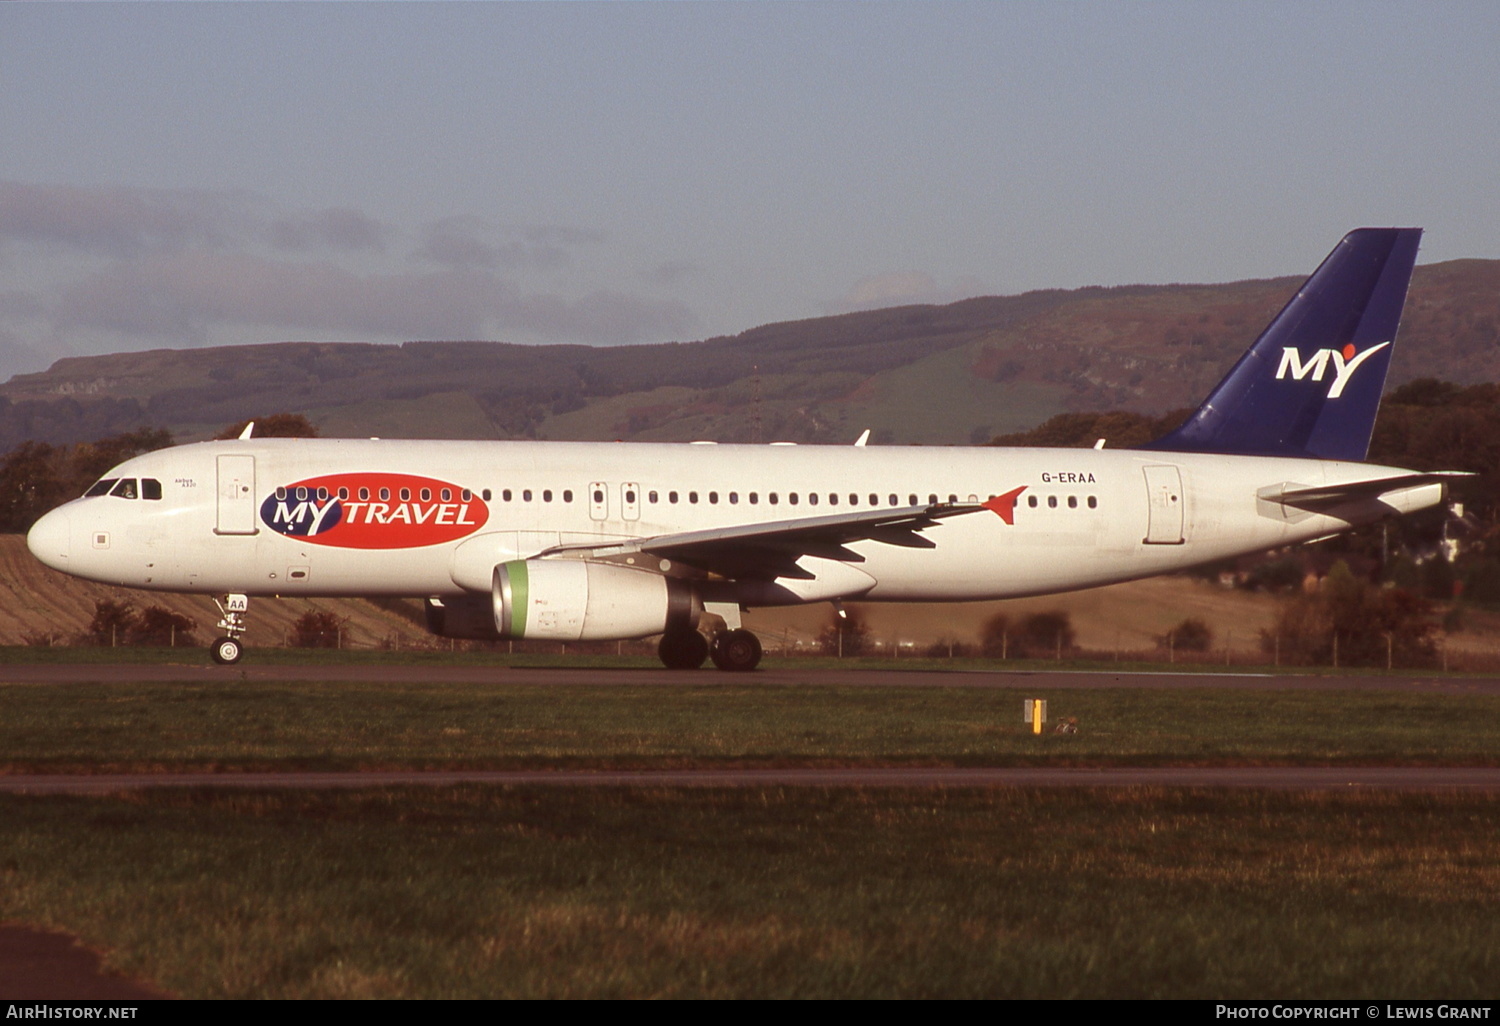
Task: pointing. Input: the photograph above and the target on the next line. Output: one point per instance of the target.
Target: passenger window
(150, 488)
(546, 494)
(713, 498)
(467, 495)
(343, 494)
(322, 494)
(1093, 502)
(911, 500)
(672, 497)
(833, 498)
(754, 498)
(525, 494)
(734, 498)
(446, 495)
(651, 497)
(103, 487)
(568, 495)
(792, 498)
(425, 494)
(125, 489)
(364, 495)
(301, 494)
(405, 495)
(1072, 502)
(385, 495)
(598, 495)
(953, 498)
(280, 493)
(485, 495)
(629, 495)
(773, 499)
(874, 499)
(1031, 501)
(894, 501)
(1051, 502)
(932, 500)
(693, 498)
(812, 498)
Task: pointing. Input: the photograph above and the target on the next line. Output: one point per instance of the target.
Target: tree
(1368, 621)
(846, 635)
(113, 622)
(158, 625)
(1036, 634)
(30, 485)
(277, 425)
(318, 629)
(1191, 635)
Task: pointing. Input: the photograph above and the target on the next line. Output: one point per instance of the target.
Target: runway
(1282, 778)
(782, 675)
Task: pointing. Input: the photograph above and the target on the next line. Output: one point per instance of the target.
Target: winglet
(859, 443)
(245, 434)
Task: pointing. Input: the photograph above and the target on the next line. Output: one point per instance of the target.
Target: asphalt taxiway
(779, 675)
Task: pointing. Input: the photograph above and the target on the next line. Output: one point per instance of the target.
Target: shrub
(1191, 635)
(159, 626)
(318, 629)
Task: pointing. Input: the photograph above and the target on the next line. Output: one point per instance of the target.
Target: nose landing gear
(227, 650)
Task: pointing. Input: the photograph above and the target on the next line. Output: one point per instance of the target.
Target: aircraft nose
(48, 539)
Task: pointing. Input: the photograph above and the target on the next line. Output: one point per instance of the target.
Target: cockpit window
(101, 487)
(126, 489)
(150, 488)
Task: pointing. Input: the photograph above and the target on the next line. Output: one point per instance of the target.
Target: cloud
(118, 222)
(903, 288)
(472, 242)
(673, 272)
(337, 228)
(121, 223)
(183, 298)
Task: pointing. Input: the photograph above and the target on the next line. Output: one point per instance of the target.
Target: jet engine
(578, 600)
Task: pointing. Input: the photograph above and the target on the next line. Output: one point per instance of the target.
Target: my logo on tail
(1344, 363)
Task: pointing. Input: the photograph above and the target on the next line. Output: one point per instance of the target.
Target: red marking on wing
(1004, 506)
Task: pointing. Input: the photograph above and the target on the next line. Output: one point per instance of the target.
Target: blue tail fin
(1311, 384)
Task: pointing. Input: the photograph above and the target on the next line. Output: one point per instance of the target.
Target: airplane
(586, 540)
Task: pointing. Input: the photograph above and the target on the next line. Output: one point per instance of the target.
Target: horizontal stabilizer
(1319, 497)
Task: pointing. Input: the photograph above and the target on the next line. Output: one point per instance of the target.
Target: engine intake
(577, 600)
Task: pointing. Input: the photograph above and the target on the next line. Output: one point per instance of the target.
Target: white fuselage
(1085, 517)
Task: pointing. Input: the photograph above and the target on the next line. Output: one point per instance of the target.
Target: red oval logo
(374, 511)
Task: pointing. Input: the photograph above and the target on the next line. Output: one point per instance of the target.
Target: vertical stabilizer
(1311, 384)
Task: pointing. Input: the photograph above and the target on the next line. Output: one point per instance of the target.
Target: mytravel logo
(1345, 361)
(374, 511)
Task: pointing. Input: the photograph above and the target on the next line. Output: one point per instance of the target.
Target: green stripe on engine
(516, 573)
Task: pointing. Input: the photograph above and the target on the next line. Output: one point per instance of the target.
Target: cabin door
(236, 495)
(1164, 509)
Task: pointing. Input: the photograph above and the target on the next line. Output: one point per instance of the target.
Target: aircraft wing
(1318, 497)
(769, 550)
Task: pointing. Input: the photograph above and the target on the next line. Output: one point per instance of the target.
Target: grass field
(754, 892)
(345, 726)
(490, 892)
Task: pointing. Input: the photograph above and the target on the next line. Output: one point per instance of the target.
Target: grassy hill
(919, 374)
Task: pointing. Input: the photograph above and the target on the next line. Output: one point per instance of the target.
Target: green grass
(489, 892)
(329, 726)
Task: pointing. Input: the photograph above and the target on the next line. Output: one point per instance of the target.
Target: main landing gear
(735, 651)
(227, 650)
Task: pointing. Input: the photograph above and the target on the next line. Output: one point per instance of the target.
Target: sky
(186, 174)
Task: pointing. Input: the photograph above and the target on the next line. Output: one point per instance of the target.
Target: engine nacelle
(468, 617)
(576, 600)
